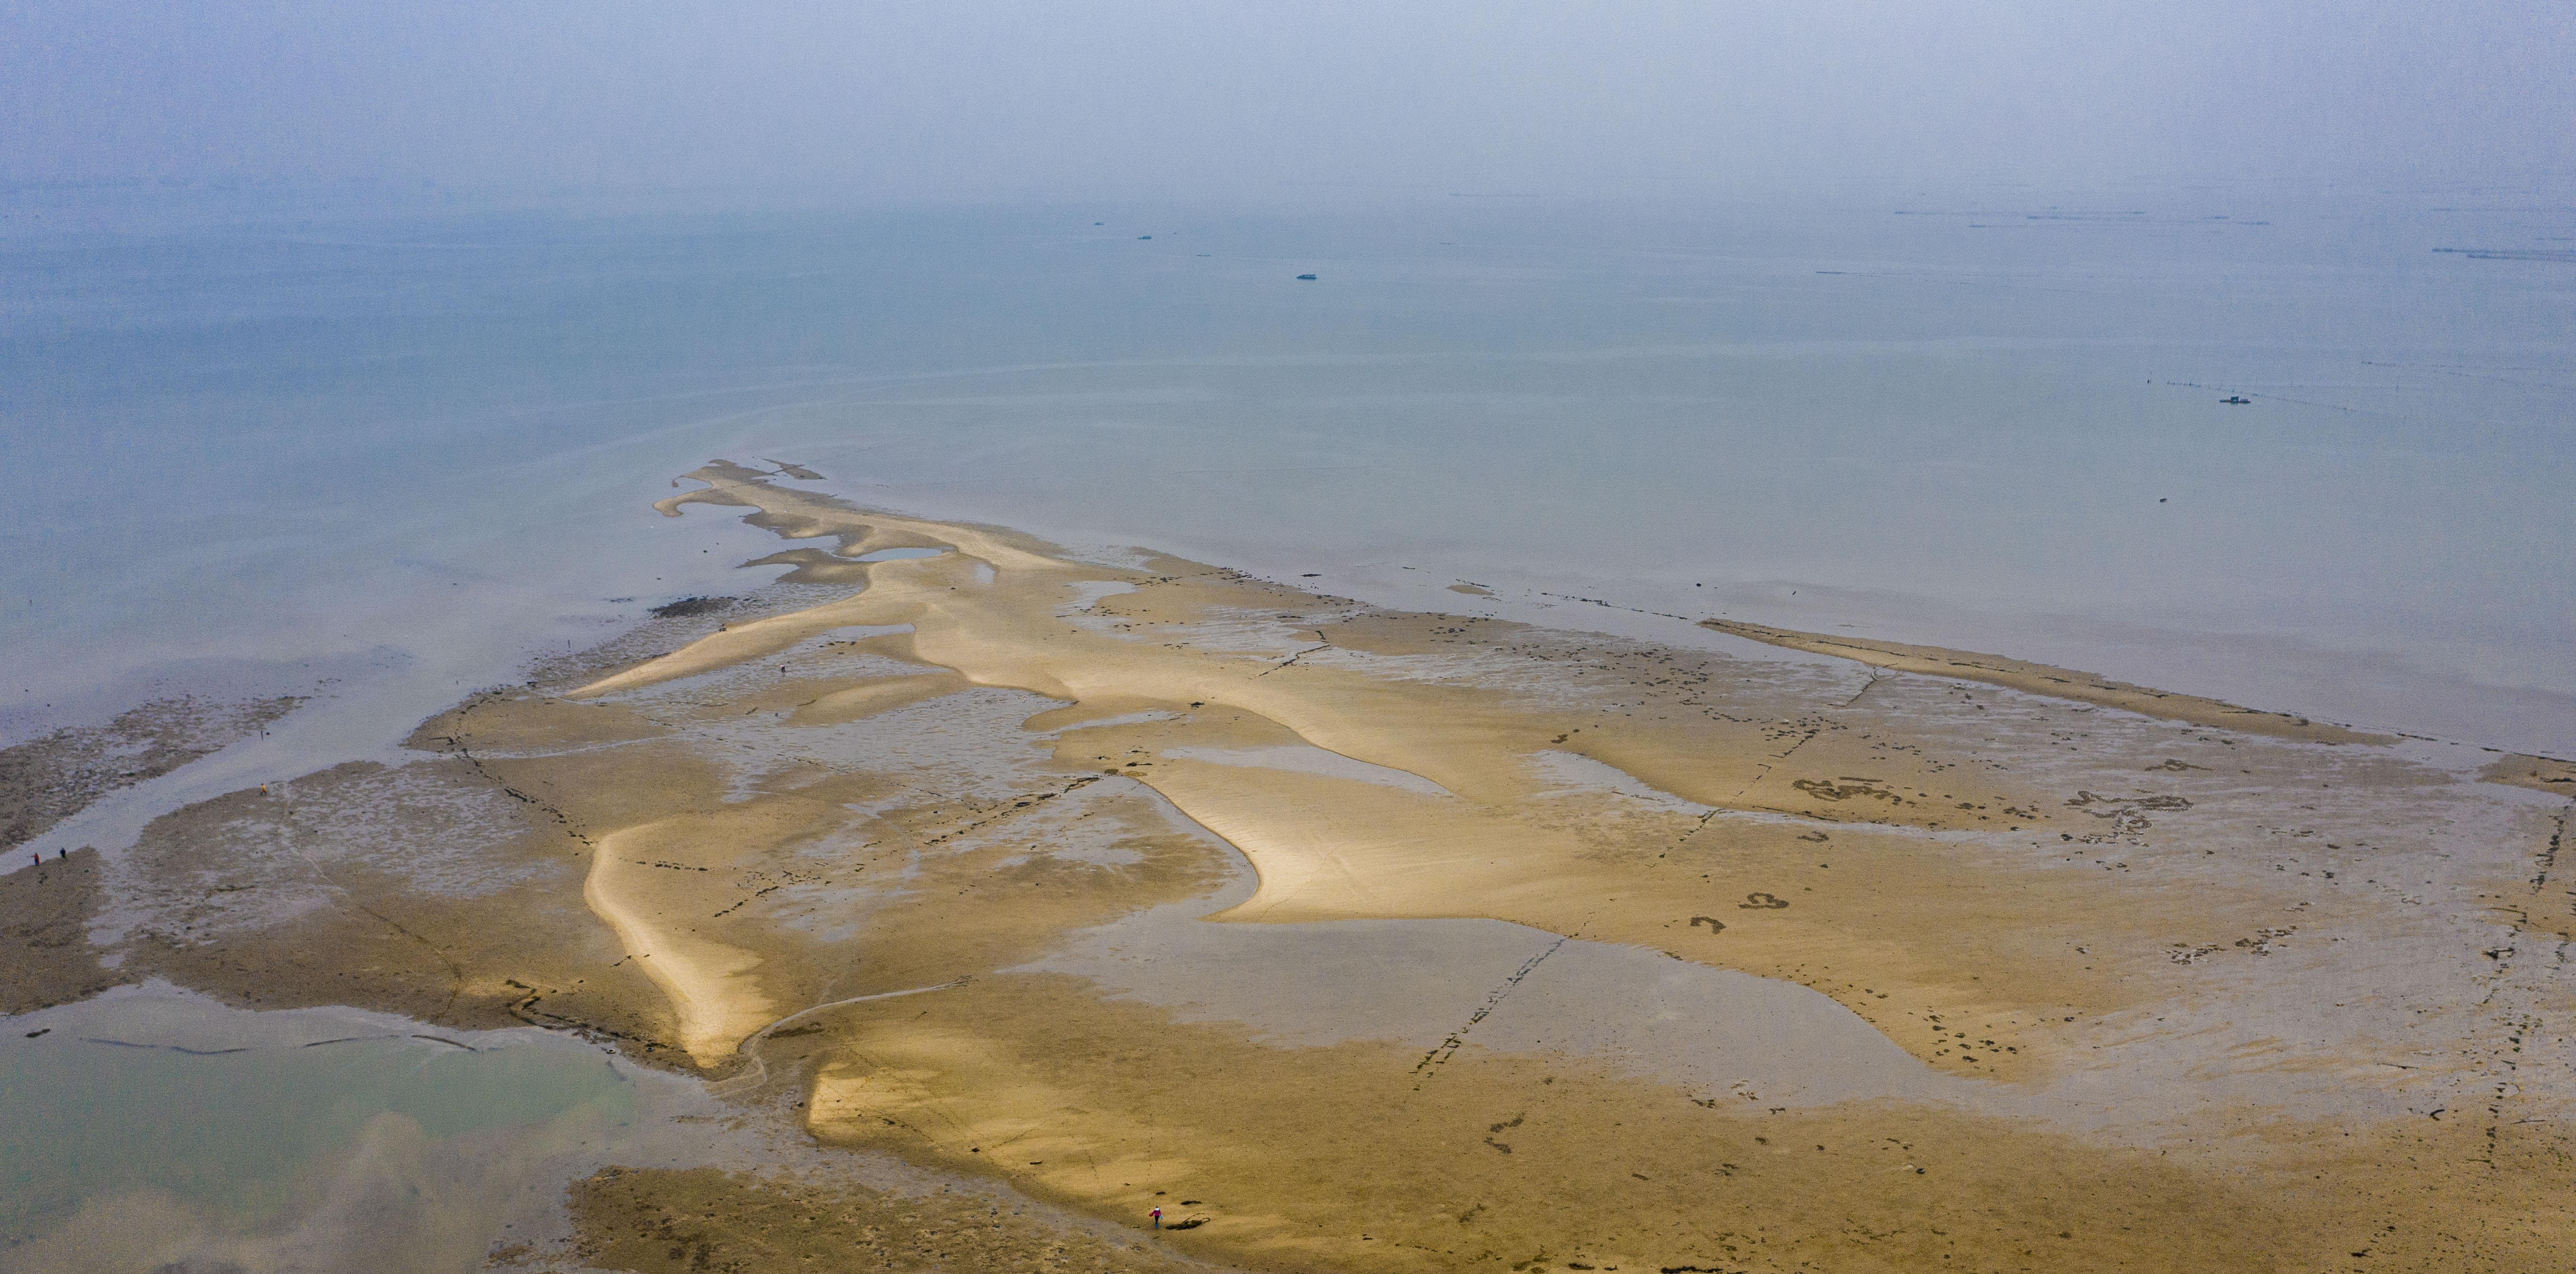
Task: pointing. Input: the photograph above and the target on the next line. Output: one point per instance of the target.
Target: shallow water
(1724, 1035)
(152, 1126)
(1306, 758)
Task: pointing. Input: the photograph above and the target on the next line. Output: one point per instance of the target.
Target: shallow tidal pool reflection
(151, 1127)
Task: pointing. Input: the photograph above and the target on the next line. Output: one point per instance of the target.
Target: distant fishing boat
(2236, 400)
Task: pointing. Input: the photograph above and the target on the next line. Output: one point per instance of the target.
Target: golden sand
(2539, 773)
(2200, 988)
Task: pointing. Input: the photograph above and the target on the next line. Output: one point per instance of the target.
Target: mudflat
(1026, 865)
(46, 779)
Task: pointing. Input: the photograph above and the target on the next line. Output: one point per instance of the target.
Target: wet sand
(48, 779)
(1379, 940)
(2042, 679)
(44, 926)
(1435, 986)
(686, 1220)
(2539, 773)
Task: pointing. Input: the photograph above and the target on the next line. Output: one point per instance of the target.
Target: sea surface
(383, 456)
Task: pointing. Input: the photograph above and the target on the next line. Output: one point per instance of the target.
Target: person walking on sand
(1158, 1218)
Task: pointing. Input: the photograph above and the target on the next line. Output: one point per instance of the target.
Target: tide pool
(148, 1127)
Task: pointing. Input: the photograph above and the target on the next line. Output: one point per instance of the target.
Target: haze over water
(419, 444)
(1985, 418)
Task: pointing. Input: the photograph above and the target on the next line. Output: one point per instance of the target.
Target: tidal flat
(978, 896)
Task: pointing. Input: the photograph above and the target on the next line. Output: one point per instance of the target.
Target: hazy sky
(962, 98)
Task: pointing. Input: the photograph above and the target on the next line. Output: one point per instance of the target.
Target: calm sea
(274, 444)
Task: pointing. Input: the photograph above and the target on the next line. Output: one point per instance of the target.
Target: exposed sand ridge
(921, 867)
